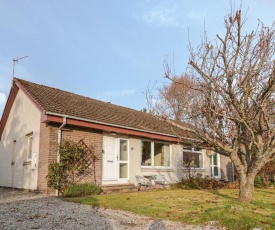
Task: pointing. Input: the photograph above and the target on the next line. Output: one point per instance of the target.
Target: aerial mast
(15, 61)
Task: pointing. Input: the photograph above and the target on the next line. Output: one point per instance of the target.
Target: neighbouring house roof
(58, 103)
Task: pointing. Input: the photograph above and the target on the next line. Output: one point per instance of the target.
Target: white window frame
(218, 166)
(152, 155)
(29, 144)
(195, 151)
(121, 161)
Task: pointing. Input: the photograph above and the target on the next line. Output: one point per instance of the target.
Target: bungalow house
(126, 142)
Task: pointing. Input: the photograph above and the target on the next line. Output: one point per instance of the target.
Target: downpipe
(59, 138)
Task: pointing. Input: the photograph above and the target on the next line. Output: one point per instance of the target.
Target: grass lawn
(194, 206)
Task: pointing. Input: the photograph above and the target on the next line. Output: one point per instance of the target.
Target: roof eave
(12, 95)
(77, 121)
(47, 116)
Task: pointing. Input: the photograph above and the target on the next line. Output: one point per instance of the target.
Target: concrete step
(119, 188)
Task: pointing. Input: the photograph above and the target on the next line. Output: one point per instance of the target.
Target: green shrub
(75, 190)
(199, 183)
(75, 161)
(258, 181)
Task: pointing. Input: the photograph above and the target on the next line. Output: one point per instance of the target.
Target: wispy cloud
(197, 16)
(161, 15)
(110, 95)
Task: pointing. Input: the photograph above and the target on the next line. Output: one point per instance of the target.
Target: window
(155, 154)
(29, 147)
(123, 158)
(192, 157)
(215, 166)
(146, 153)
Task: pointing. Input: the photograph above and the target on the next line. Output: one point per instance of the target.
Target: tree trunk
(246, 190)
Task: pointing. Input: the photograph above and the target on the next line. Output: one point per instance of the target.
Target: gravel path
(26, 210)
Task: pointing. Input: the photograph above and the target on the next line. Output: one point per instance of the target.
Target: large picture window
(193, 158)
(146, 153)
(155, 154)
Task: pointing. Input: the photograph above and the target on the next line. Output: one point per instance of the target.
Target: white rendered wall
(23, 119)
(172, 174)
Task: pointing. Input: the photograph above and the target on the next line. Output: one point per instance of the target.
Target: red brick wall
(93, 139)
(49, 145)
(47, 154)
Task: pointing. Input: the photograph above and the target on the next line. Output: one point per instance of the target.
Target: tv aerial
(15, 60)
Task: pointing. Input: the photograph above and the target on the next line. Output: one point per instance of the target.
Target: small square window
(192, 158)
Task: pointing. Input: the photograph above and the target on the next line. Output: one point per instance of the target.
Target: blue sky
(108, 50)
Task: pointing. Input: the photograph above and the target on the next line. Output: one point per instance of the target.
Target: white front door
(115, 160)
(109, 158)
(215, 166)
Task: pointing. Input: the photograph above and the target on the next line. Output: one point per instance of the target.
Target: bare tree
(190, 165)
(175, 98)
(233, 113)
(150, 98)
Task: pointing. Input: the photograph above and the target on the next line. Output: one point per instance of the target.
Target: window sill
(195, 169)
(27, 163)
(154, 169)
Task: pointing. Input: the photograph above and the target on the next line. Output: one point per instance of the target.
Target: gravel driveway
(26, 210)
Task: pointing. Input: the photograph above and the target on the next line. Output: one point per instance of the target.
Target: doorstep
(118, 188)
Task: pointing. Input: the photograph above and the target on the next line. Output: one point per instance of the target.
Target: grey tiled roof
(66, 103)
